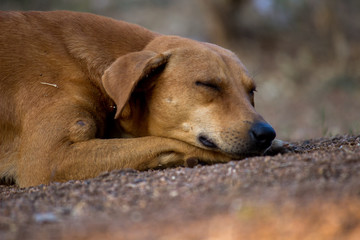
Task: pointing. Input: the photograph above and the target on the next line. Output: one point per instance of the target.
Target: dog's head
(195, 92)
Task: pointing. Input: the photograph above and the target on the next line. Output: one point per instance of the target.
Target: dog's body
(65, 76)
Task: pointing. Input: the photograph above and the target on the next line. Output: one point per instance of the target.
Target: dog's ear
(121, 78)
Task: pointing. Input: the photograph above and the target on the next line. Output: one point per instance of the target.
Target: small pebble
(173, 193)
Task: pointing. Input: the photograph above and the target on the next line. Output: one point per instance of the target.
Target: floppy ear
(121, 78)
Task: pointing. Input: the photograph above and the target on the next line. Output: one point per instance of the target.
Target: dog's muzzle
(260, 137)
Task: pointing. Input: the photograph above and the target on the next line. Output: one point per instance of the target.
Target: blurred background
(303, 54)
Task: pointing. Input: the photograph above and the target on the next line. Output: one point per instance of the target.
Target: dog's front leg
(99, 155)
(44, 162)
(87, 159)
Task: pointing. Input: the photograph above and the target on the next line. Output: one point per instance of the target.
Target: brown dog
(83, 94)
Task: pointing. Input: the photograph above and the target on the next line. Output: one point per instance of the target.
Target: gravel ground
(312, 192)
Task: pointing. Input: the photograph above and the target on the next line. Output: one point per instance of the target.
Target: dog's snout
(262, 134)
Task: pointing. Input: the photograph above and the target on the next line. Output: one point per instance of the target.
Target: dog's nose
(262, 134)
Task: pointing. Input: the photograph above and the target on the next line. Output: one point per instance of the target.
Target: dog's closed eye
(209, 85)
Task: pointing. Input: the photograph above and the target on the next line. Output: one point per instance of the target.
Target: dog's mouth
(207, 142)
(210, 144)
(250, 149)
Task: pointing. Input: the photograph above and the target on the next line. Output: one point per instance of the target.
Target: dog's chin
(231, 151)
(230, 154)
(239, 155)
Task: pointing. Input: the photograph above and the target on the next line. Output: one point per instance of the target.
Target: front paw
(190, 159)
(168, 160)
(176, 160)
(205, 157)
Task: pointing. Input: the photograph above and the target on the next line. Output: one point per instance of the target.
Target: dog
(83, 94)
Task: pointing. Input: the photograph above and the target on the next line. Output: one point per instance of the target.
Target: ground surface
(310, 193)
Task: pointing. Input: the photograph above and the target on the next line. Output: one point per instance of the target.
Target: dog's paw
(169, 159)
(172, 159)
(205, 157)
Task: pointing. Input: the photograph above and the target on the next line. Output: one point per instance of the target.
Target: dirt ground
(312, 192)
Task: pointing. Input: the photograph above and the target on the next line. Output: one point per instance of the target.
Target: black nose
(262, 134)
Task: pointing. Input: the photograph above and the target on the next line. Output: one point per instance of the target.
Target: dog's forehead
(236, 70)
(212, 61)
(201, 59)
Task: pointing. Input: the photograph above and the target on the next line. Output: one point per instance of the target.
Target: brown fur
(62, 75)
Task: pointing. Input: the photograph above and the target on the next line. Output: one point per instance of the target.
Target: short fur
(82, 94)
